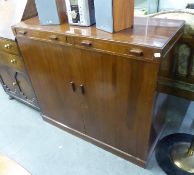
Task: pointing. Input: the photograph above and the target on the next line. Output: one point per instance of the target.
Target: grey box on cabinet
(103, 13)
(51, 11)
(114, 15)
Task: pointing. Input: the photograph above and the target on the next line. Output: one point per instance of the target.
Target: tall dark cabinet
(13, 75)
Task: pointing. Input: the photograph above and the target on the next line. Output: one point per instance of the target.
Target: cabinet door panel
(25, 88)
(119, 98)
(51, 69)
(7, 80)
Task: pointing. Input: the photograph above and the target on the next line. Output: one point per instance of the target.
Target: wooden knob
(53, 37)
(86, 43)
(136, 52)
(22, 32)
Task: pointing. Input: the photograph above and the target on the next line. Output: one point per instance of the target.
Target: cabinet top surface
(147, 31)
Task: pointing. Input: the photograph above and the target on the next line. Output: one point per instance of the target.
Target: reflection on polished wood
(148, 32)
(100, 86)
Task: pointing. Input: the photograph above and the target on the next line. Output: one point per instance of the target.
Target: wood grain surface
(123, 14)
(98, 85)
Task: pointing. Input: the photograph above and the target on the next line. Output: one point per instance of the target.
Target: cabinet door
(25, 89)
(7, 80)
(119, 94)
(52, 69)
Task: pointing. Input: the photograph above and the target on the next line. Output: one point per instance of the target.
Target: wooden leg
(11, 98)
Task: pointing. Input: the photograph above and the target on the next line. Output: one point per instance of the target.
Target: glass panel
(192, 71)
(165, 5)
(146, 6)
(183, 52)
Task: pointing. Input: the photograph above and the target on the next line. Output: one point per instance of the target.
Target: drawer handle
(136, 52)
(22, 32)
(7, 46)
(82, 88)
(53, 37)
(86, 43)
(13, 61)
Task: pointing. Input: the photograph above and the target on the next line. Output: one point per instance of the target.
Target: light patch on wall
(174, 4)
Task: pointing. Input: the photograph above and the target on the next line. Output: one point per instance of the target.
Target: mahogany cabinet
(97, 85)
(13, 75)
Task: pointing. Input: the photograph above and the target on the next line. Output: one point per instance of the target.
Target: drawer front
(11, 61)
(115, 48)
(48, 36)
(138, 52)
(9, 46)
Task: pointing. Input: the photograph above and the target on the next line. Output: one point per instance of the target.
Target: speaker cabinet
(80, 12)
(114, 15)
(51, 11)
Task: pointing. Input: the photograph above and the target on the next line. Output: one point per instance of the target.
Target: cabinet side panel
(104, 15)
(47, 12)
(123, 14)
(30, 10)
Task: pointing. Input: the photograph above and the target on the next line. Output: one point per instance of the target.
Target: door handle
(1, 80)
(82, 88)
(73, 86)
(22, 32)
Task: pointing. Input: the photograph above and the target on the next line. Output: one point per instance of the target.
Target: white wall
(149, 5)
(164, 4)
(141, 3)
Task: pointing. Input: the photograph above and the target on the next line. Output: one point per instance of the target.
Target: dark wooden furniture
(177, 70)
(13, 76)
(123, 14)
(100, 86)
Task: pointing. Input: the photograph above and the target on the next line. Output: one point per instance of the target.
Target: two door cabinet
(97, 85)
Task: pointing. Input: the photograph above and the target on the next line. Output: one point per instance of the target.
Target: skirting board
(98, 143)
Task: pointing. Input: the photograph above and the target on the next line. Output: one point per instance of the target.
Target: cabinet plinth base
(98, 143)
